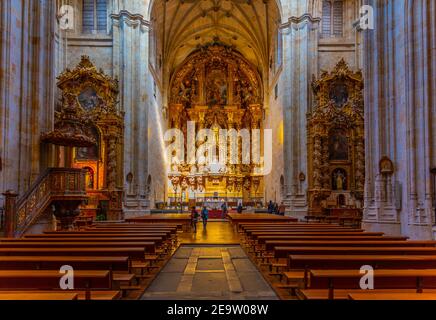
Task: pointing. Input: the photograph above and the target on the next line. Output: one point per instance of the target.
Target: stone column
(130, 33)
(27, 83)
(300, 49)
(400, 116)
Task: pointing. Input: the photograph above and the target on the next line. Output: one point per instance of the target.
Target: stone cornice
(130, 19)
(294, 22)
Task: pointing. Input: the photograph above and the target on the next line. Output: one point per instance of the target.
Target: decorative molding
(130, 19)
(295, 22)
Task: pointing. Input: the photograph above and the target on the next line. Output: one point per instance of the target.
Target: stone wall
(400, 118)
(27, 73)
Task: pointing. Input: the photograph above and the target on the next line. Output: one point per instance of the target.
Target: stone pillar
(400, 116)
(130, 33)
(27, 84)
(300, 50)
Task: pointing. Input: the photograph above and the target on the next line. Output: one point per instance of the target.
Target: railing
(55, 184)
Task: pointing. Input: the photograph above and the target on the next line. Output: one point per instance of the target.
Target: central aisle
(209, 272)
(216, 232)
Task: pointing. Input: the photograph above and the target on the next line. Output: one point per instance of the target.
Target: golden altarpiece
(94, 97)
(217, 89)
(336, 145)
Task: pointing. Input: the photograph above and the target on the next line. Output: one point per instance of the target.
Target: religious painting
(339, 94)
(217, 88)
(89, 99)
(339, 179)
(89, 153)
(338, 145)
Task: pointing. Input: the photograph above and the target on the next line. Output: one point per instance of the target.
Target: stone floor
(209, 272)
(216, 232)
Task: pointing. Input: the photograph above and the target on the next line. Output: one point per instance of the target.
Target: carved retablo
(217, 89)
(94, 96)
(336, 146)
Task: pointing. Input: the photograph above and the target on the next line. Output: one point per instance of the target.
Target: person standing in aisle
(204, 216)
(194, 219)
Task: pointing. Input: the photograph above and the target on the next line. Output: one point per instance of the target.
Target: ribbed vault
(181, 26)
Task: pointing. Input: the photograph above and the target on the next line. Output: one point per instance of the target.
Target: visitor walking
(224, 209)
(240, 208)
(204, 216)
(282, 209)
(194, 219)
(276, 208)
(270, 207)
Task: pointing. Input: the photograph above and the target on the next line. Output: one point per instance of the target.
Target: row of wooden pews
(324, 261)
(110, 261)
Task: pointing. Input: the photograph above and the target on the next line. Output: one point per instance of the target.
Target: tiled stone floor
(209, 272)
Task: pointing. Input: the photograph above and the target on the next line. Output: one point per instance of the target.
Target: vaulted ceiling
(181, 26)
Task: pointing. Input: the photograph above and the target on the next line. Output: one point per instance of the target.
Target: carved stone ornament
(386, 166)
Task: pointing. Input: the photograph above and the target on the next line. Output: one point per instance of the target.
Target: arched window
(332, 18)
(94, 16)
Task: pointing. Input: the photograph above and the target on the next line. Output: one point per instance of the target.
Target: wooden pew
(244, 226)
(132, 252)
(114, 232)
(81, 295)
(392, 296)
(310, 262)
(49, 280)
(270, 244)
(56, 262)
(173, 232)
(327, 232)
(178, 226)
(255, 238)
(284, 252)
(183, 219)
(343, 294)
(119, 239)
(34, 296)
(138, 237)
(237, 219)
(256, 234)
(383, 279)
(148, 246)
(262, 239)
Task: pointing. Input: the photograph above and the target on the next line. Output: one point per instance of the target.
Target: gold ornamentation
(93, 96)
(217, 89)
(216, 75)
(335, 128)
